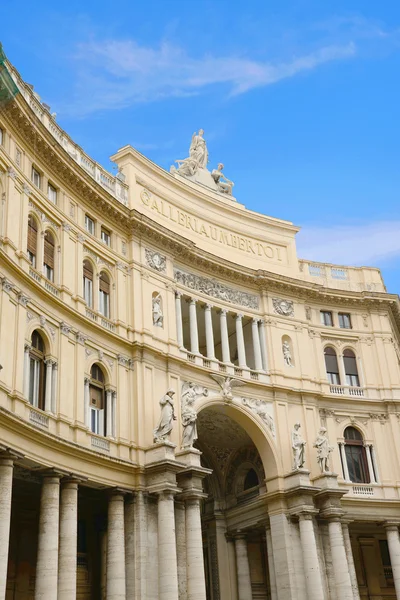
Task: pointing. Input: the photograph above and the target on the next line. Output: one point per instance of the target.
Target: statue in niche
(323, 450)
(158, 316)
(298, 446)
(227, 384)
(197, 159)
(164, 427)
(224, 184)
(287, 355)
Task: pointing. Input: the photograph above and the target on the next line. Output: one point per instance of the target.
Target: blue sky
(299, 99)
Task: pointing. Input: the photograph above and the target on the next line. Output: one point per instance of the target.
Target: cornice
(60, 164)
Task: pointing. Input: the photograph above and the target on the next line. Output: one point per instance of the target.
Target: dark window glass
(326, 318)
(356, 456)
(344, 321)
(97, 373)
(82, 543)
(350, 368)
(251, 480)
(331, 365)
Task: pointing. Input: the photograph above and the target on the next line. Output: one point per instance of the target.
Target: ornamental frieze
(212, 287)
(156, 261)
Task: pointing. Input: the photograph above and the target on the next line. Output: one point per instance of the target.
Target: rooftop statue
(194, 167)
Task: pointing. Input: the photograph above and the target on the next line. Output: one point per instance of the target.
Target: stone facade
(119, 291)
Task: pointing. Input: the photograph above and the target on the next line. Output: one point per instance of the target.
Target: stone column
(114, 415)
(370, 465)
(226, 355)
(344, 462)
(6, 479)
(54, 389)
(196, 584)
(263, 344)
(87, 401)
(310, 558)
(240, 342)
(130, 553)
(340, 565)
(271, 566)
(392, 534)
(167, 559)
(342, 372)
(47, 552)
(49, 381)
(180, 534)
(27, 349)
(68, 540)
(109, 413)
(116, 547)
(209, 332)
(194, 334)
(256, 345)
(179, 325)
(243, 568)
(350, 561)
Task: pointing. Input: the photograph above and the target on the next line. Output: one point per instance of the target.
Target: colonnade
(56, 563)
(258, 335)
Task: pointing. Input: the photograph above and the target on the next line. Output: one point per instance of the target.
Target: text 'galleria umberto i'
(188, 411)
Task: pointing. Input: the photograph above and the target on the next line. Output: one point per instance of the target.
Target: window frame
(52, 188)
(354, 449)
(323, 314)
(106, 234)
(88, 285)
(104, 296)
(352, 379)
(2, 136)
(342, 317)
(90, 224)
(48, 269)
(332, 376)
(36, 174)
(37, 368)
(97, 414)
(30, 250)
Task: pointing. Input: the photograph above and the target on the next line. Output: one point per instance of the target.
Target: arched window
(32, 240)
(97, 399)
(48, 256)
(331, 365)
(251, 480)
(104, 295)
(356, 456)
(88, 282)
(350, 368)
(37, 371)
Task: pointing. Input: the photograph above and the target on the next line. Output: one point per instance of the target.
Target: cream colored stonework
(232, 294)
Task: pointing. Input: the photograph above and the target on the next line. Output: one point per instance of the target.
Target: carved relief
(283, 307)
(212, 287)
(263, 410)
(156, 261)
(227, 385)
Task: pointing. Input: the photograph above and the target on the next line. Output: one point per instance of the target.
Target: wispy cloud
(368, 244)
(116, 74)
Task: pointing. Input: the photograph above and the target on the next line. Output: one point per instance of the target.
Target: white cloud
(369, 244)
(116, 74)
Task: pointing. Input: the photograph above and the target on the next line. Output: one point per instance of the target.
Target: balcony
(346, 390)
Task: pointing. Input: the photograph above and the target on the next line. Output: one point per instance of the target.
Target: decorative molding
(381, 417)
(52, 333)
(29, 316)
(81, 338)
(97, 259)
(42, 321)
(212, 287)
(283, 307)
(66, 226)
(124, 361)
(11, 173)
(65, 328)
(23, 300)
(7, 286)
(27, 189)
(308, 312)
(156, 261)
(261, 409)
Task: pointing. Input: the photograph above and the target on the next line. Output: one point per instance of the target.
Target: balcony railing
(363, 490)
(346, 390)
(38, 418)
(99, 442)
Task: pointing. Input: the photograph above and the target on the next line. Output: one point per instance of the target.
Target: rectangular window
(34, 379)
(48, 258)
(89, 225)
(1, 136)
(95, 420)
(52, 193)
(105, 237)
(104, 304)
(344, 320)
(48, 272)
(357, 463)
(88, 291)
(352, 380)
(326, 318)
(334, 378)
(35, 177)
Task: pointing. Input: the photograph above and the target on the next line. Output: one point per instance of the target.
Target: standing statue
(298, 445)
(287, 355)
(323, 450)
(158, 316)
(189, 416)
(164, 427)
(224, 186)
(197, 159)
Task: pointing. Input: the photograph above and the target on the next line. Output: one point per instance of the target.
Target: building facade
(187, 409)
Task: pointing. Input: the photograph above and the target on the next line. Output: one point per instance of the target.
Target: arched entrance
(234, 514)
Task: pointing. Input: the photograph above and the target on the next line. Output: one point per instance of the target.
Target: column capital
(238, 535)
(391, 525)
(178, 294)
(87, 379)
(192, 300)
(27, 347)
(117, 492)
(7, 454)
(307, 515)
(208, 306)
(239, 316)
(223, 311)
(256, 320)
